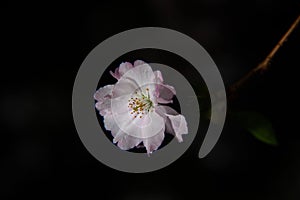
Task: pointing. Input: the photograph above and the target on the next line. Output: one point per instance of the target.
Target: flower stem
(265, 63)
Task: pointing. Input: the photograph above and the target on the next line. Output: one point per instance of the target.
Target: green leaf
(258, 125)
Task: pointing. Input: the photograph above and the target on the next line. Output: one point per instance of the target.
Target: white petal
(114, 129)
(125, 141)
(163, 110)
(165, 93)
(175, 123)
(109, 122)
(115, 74)
(138, 62)
(179, 125)
(120, 104)
(124, 87)
(154, 142)
(158, 77)
(135, 126)
(122, 69)
(103, 93)
(104, 107)
(142, 75)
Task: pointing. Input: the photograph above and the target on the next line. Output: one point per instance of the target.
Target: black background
(43, 46)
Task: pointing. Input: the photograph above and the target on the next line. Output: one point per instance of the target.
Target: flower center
(140, 104)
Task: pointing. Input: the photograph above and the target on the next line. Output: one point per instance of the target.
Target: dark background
(43, 46)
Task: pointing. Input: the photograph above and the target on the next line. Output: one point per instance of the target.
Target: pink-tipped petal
(166, 93)
(121, 70)
(115, 74)
(163, 110)
(142, 75)
(103, 93)
(126, 142)
(104, 107)
(138, 62)
(139, 127)
(158, 77)
(154, 142)
(109, 122)
(124, 87)
(175, 123)
(124, 67)
(163, 92)
(179, 125)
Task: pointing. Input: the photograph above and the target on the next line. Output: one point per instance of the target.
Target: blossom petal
(124, 67)
(109, 122)
(104, 107)
(126, 142)
(162, 111)
(142, 75)
(154, 142)
(123, 140)
(175, 123)
(121, 70)
(124, 87)
(139, 127)
(158, 81)
(115, 74)
(104, 92)
(138, 62)
(179, 125)
(163, 92)
(119, 105)
(158, 77)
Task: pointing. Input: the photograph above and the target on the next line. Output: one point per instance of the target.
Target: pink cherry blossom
(132, 108)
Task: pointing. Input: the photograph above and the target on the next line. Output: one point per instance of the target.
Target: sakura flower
(132, 108)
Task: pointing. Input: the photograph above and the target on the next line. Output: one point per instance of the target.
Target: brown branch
(265, 63)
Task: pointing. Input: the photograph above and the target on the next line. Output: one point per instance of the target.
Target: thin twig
(266, 62)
